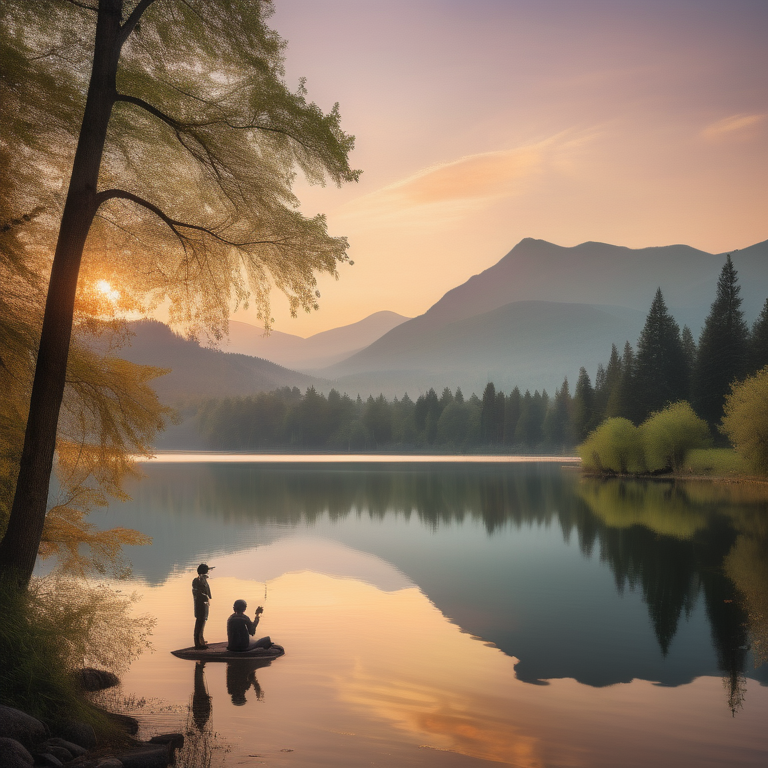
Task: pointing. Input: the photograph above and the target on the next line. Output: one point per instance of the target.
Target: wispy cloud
(732, 127)
(468, 183)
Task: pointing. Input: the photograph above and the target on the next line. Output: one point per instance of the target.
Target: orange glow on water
(381, 676)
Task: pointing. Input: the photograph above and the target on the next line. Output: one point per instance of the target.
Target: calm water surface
(456, 614)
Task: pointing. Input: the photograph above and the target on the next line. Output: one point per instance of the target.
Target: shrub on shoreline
(615, 446)
(669, 434)
(660, 443)
(745, 420)
(54, 629)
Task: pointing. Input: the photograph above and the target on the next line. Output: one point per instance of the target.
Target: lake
(457, 613)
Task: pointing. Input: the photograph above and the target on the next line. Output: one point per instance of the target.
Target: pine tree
(722, 356)
(758, 342)
(498, 419)
(511, 416)
(583, 407)
(488, 413)
(556, 421)
(689, 353)
(524, 430)
(624, 401)
(612, 383)
(601, 393)
(661, 373)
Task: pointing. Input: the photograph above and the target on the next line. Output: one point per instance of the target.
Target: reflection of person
(201, 594)
(201, 700)
(241, 675)
(240, 629)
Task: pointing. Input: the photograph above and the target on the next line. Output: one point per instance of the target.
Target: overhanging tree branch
(180, 126)
(173, 224)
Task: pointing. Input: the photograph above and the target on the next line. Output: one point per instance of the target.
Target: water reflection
(201, 699)
(492, 547)
(241, 677)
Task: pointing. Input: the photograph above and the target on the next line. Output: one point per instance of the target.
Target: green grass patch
(718, 462)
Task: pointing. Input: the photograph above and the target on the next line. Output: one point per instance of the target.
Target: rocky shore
(26, 742)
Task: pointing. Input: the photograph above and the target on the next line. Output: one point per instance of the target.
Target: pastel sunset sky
(633, 122)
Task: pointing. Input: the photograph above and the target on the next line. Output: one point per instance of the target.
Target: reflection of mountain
(485, 543)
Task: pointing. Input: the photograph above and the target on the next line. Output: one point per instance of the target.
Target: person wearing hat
(201, 595)
(240, 629)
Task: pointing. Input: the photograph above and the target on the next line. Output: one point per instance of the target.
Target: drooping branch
(180, 126)
(174, 224)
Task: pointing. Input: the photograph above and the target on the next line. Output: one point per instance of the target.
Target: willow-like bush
(54, 629)
(745, 420)
(670, 433)
(615, 446)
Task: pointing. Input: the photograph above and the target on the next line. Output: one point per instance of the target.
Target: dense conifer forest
(665, 366)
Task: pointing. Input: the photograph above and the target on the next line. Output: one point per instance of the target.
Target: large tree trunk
(18, 549)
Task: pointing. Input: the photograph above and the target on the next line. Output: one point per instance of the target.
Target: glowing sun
(103, 287)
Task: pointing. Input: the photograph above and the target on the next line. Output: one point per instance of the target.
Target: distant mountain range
(534, 317)
(199, 372)
(542, 312)
(318, 351)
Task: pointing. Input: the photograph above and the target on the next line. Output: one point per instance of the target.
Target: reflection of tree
(663, 567)
(672, 542)
(241, 676)
(672, 569)
(747, 566)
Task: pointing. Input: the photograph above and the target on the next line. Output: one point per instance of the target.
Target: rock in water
(13, 754)
(97, 679)
(154, 757)
(173, 740)
(18, 725)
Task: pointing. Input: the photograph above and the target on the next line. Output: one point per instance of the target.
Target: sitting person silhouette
(241, 676)
(240, 629)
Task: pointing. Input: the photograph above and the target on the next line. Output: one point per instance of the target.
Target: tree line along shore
(667, 388)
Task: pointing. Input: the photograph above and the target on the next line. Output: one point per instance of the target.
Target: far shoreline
(247, 457)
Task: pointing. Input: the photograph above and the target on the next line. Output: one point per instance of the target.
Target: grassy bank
(51, 632)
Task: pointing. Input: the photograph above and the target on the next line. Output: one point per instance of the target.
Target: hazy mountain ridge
(531, 344)
(198, 371)
(526, 341)
(523, 344)
(316, 351)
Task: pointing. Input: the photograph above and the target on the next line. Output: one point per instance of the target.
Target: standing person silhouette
(201, 595)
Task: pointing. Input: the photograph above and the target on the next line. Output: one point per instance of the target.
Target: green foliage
(203, 130)
(669, 434)
(109, 416)
(58, 626)
(745, 421)
(615, 446)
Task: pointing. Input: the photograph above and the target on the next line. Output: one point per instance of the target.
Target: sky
(633, 122)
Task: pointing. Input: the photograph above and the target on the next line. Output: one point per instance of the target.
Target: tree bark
(18, 549)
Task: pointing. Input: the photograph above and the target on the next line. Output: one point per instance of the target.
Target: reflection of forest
(672, 542)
